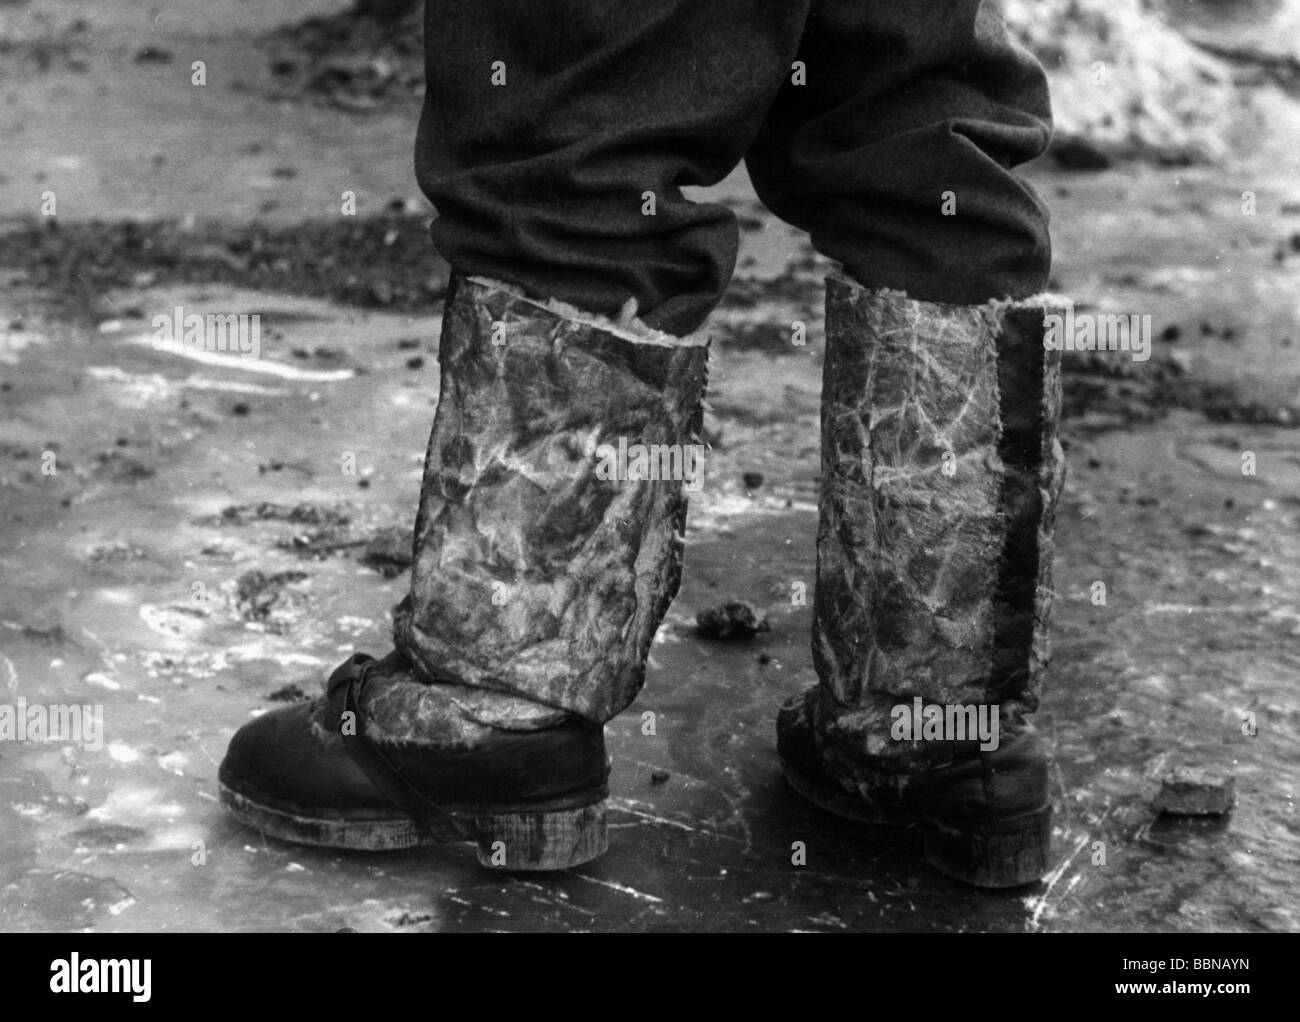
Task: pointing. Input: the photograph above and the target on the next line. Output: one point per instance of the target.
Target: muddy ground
(188, 543)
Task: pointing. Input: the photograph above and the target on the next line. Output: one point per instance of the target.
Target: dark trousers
(887, 129)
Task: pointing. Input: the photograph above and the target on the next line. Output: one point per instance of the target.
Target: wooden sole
(534, 841)
(542, 841)
(1017, 855)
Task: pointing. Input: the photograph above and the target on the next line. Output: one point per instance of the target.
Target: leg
(537, 580)
(540, 183)
(940, 463)
(941, 473)
(538, 583)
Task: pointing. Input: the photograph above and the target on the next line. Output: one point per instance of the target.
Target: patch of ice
(130, 803)
(248, 365)
(137, 390)
(14, 341)
(120, 752)
(233, 387)
(173, 762)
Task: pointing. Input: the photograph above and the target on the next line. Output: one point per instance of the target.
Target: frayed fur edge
(631, 329)
(1044, 300)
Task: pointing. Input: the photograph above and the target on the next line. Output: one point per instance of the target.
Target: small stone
(1193, 791)
(734, 619)
(659, 776)
(753, 480)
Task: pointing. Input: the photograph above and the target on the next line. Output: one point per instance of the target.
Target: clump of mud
(266, 511)
(734, 620)
(264, 597)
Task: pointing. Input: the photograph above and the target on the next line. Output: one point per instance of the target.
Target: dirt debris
(733, 620)
(258, 593)
(370, 55)
(266, 511)
(383, 261)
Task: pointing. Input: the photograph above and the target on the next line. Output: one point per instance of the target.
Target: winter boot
(545, 559)
(940, 476)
